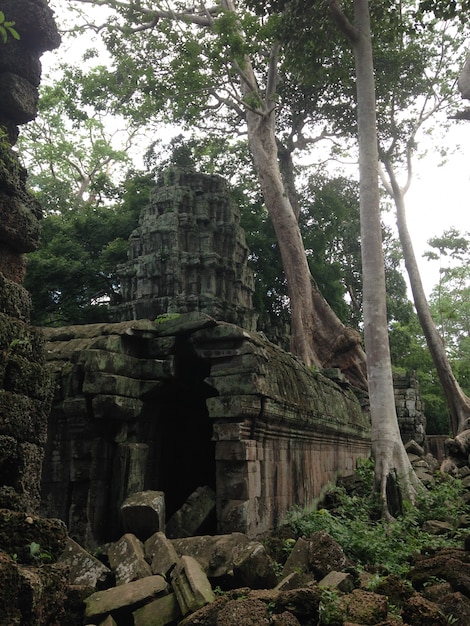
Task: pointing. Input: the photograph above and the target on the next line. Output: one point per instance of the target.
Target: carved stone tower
(188, 254)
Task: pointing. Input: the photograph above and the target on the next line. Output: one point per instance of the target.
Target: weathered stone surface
(191, 518)
(161, 611)
(325, 555)
(9, 584)
(421, 612)
(253, 567)
(191, 586)
(213, 553)
(450, 565)
(138, 408)
(130, 595)
(42, 593)
(364, 607)
(299, 558)
(21, 101)
(410, 409)
(161, 554)
(342, 581)
(188, 254)
(127, 560)
(143, 513)
(83, 568)
(251, 612)
(19, 530)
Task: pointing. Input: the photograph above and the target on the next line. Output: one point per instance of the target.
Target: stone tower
(188, 254)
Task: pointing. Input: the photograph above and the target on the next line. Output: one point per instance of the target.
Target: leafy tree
(76, 158)
(398, 143)
(73, 278)
(225, 66)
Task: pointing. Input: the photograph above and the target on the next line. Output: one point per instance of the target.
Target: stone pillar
(188, 254)
(410, 408)
(24, 384)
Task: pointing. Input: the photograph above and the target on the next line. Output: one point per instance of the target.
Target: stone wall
(410, 408)
(186, 403)
(24, 383)
(188, 254)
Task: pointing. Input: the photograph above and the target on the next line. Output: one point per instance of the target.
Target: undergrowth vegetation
(353, 520)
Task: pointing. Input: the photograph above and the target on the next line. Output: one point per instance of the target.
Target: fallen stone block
(214, 553)
(143, 513)
(338, 580)
(193, 515)
(164, 610)
(84, 569)
(161, 554)
(298, 559)
(325, 555)
(253, 567)
(127, 560)
(191, 586)
(366, 607)
(136, 593)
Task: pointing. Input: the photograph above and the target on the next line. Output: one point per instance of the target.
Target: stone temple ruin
(196, 400)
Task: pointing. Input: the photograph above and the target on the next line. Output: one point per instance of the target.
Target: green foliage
(355, 523)
(73, 278)
(37, 555)
(6, 29)
(330, 611)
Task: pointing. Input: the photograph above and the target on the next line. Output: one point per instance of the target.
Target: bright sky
(439, 197)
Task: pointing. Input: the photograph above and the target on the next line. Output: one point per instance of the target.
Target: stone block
(162, 611)
(143, 513)
(234, 406)
(129, 595)
(214, 553)
(161, 554)
(253, 567)
(116, 408)
(298, 559)
(341, 581)
(191, 586)
(192, 516)
(127, 560)
(42, 592)
(84, 569)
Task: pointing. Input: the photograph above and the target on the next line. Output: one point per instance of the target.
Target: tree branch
(342, 21)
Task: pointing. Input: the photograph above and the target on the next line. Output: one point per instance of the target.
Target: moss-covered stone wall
(24, 383)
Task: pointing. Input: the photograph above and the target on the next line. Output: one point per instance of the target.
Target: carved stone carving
(188, 254)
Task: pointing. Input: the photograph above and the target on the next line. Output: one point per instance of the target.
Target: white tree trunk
(389, 453)
(457, 402)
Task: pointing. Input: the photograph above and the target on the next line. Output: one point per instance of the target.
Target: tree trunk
(318, 337)
(391, 460)
(457, 401)
(263, 147)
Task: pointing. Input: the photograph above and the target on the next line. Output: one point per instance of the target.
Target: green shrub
(370, 541)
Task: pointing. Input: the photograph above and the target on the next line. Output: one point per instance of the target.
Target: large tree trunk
(318, 337)
(457, 402)
(391, 460)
